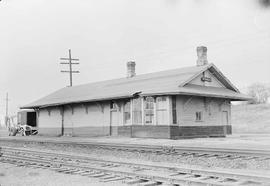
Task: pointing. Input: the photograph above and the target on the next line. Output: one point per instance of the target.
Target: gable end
(211, 76)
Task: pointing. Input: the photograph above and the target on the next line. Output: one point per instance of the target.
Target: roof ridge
(140, 76)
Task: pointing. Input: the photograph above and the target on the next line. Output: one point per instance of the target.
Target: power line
(70, 63)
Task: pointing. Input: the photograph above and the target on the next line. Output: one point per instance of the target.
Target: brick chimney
(131, 69)
(202, 56)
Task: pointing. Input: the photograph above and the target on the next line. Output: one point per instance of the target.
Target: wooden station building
(187, 102)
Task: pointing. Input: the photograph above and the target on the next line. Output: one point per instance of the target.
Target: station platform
(235, 141)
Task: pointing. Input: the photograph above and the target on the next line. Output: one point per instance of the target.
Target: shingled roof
(169, 82)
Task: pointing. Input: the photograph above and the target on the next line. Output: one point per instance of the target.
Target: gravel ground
(185, 161)
(238, 141)
(10, 175)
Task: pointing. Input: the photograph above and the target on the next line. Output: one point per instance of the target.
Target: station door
(225, 119)
(114, 122)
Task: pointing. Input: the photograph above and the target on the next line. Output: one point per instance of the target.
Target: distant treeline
(259, 92)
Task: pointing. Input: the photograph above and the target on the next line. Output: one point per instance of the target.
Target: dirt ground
(10, 175)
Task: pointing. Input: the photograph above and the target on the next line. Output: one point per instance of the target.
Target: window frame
(199, 116)
(174, 109)
(113, 106)
(125, 122)
(150, 109)
(137, 108)
(165, 109)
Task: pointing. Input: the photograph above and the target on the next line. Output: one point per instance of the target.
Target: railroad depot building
(187, 102)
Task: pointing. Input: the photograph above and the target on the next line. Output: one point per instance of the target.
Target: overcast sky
(105, 34)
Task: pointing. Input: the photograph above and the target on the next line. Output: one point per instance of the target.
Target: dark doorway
(31, 119)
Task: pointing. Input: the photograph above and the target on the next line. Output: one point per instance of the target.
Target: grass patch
(251, 118)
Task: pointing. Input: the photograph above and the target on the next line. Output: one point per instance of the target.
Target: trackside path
(240, 142)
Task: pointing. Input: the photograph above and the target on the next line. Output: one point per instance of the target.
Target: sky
(105, 34)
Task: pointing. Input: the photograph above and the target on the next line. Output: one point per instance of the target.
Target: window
(174, 113)
(127, 112)
(149, 110)
(137, 111)
(198, 116)
(162, 112)
(19, 118)
(113, 106)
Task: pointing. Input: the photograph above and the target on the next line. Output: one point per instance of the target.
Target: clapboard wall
(49, 121)
(213, 122)
(94, 119)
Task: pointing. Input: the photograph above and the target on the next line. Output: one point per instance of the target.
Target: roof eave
(233, 98)
(225, 78)
(74, 102)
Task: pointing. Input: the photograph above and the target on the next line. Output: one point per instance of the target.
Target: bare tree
(259, 92)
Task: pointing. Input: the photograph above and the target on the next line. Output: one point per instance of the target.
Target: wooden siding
(214, 81)
(77, 120)
(92, 115)
(211, 109)
(150, 131)
(174, 132)
(94, 119)
(50, 121)
(199, 131)
(80, 117)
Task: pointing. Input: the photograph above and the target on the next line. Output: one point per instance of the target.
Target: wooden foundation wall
(143, 131)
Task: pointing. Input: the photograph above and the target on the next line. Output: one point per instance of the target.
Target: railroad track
(231, 154)
(128, 173)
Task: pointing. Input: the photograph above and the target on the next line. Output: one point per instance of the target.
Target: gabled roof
(219, 75)
(158, 83)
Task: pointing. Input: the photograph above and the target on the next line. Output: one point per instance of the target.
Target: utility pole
(70, 63)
